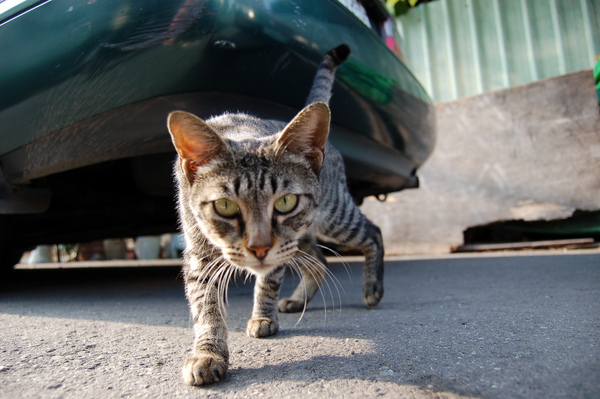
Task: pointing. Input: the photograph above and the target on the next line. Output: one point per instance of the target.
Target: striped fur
(254, 196)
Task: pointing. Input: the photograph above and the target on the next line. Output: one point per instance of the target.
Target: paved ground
(491, 327)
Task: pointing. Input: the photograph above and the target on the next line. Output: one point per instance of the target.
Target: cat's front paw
(262, 327)
(287, 305)
(205, 368)
(372, 293)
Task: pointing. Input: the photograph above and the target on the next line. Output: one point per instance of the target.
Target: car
(87, 85)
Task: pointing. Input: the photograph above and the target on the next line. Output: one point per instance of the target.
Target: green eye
(286, 204)
(226, 208)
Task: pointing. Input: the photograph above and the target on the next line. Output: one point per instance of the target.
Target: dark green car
(86, 85)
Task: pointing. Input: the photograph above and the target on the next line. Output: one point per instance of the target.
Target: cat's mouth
(262, 267)
(257, 262)
(257, 266)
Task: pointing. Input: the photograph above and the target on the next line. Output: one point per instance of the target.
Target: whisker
(215, 270)
(296, 269)
(323, 274)
(307, 262)
(224, 285)
(229, 271)
(247, 277)
(316, 268)
(326, 272)
(341, 258)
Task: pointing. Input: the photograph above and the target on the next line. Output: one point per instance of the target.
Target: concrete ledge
(526, 153)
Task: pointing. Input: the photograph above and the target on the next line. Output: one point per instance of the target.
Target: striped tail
(323, 82)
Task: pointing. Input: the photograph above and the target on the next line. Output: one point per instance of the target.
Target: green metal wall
(459, 48)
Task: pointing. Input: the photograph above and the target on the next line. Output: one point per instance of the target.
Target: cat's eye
(286, 204)
(226, 207)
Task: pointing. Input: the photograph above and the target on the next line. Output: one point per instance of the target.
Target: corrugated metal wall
(458, 48)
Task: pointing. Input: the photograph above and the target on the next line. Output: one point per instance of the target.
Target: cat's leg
(313, 267)
(352, 229)
(209, 360)
(264, 313)
(372, 247)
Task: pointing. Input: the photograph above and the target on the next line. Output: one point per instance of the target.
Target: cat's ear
(306, 135)
(196, 143)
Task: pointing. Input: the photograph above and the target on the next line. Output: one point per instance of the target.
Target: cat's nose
(259, 240)
(260, 253)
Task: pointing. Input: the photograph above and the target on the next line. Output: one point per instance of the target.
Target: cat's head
(253, 195)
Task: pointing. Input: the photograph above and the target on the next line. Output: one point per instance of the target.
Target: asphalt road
(490, 327)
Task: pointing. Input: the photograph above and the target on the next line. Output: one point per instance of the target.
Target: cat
(254, 196)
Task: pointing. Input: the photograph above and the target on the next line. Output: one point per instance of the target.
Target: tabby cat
(254, 196)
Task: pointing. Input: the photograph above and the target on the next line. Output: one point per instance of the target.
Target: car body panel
(88, 83)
